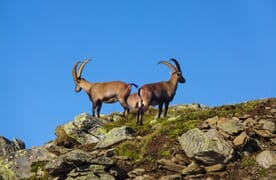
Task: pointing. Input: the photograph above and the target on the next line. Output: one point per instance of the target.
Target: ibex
(102, 92)
(134, 102)
(161, 92)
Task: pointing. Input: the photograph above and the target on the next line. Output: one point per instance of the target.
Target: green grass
(248, 162)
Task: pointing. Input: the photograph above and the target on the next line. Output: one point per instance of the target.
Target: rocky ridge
(196, 142)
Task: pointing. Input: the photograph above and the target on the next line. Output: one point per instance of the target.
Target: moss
(178, 128)
(130, 149)
(35, 166)
(165, 153)
(248, 162)
(6, 171)
(262, 172)
(63, 139)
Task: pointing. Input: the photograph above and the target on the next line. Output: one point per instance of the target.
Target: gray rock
(8, 147)
(19, 143)
(22, 160)
(65, 163)
(268, 125)
(230, 126)
(85, 129)
(115, 136)
(208, 147)
(266, 158)
(195, 106)
(96, 172)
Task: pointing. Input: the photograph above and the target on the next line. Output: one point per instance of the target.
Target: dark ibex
(102, 92)
(161, 92)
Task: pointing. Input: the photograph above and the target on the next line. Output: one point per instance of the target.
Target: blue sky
(227, 51)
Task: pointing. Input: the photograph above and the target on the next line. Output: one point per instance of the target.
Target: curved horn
(177, 64)
(74, 71)
(169, 65)
(82, 66)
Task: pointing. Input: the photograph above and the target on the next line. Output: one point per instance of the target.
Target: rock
(249, 122)
(8, 147)
(115, 136)
(22, 160)
(85, 129)
(215, 168)
(19, 143)
(194, 106)
(266, 158)
(230, 126)
(136, 172)
(208, 147)
(264, 133)
(212, 121)
(241, 139)
(172, 177)
(192, 168)
(268, 125)
(244, 117)
(170, 165)
(174, 118)
(65, 163)
(273, 140)
(251, 146)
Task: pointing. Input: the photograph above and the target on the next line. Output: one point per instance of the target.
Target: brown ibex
(134, 102)
(102, 92)
(161, 92)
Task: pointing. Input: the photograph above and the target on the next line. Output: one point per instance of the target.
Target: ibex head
(175, 70)
(77, 76)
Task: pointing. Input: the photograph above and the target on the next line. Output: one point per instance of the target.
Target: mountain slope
(224, 142)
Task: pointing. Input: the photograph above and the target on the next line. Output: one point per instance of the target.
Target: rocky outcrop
(195, 142)
(85, 129)
(8, 147)
(208, 147)
(266, 158)
(115, 136)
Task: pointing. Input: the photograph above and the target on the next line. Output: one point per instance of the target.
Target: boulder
(8, 147)
(208, 147)
(241, 139)
(115, 136)
(268, 125)
(266, 158)
(85, 129)
(21, 162)
(66, 163)
(231, 126)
